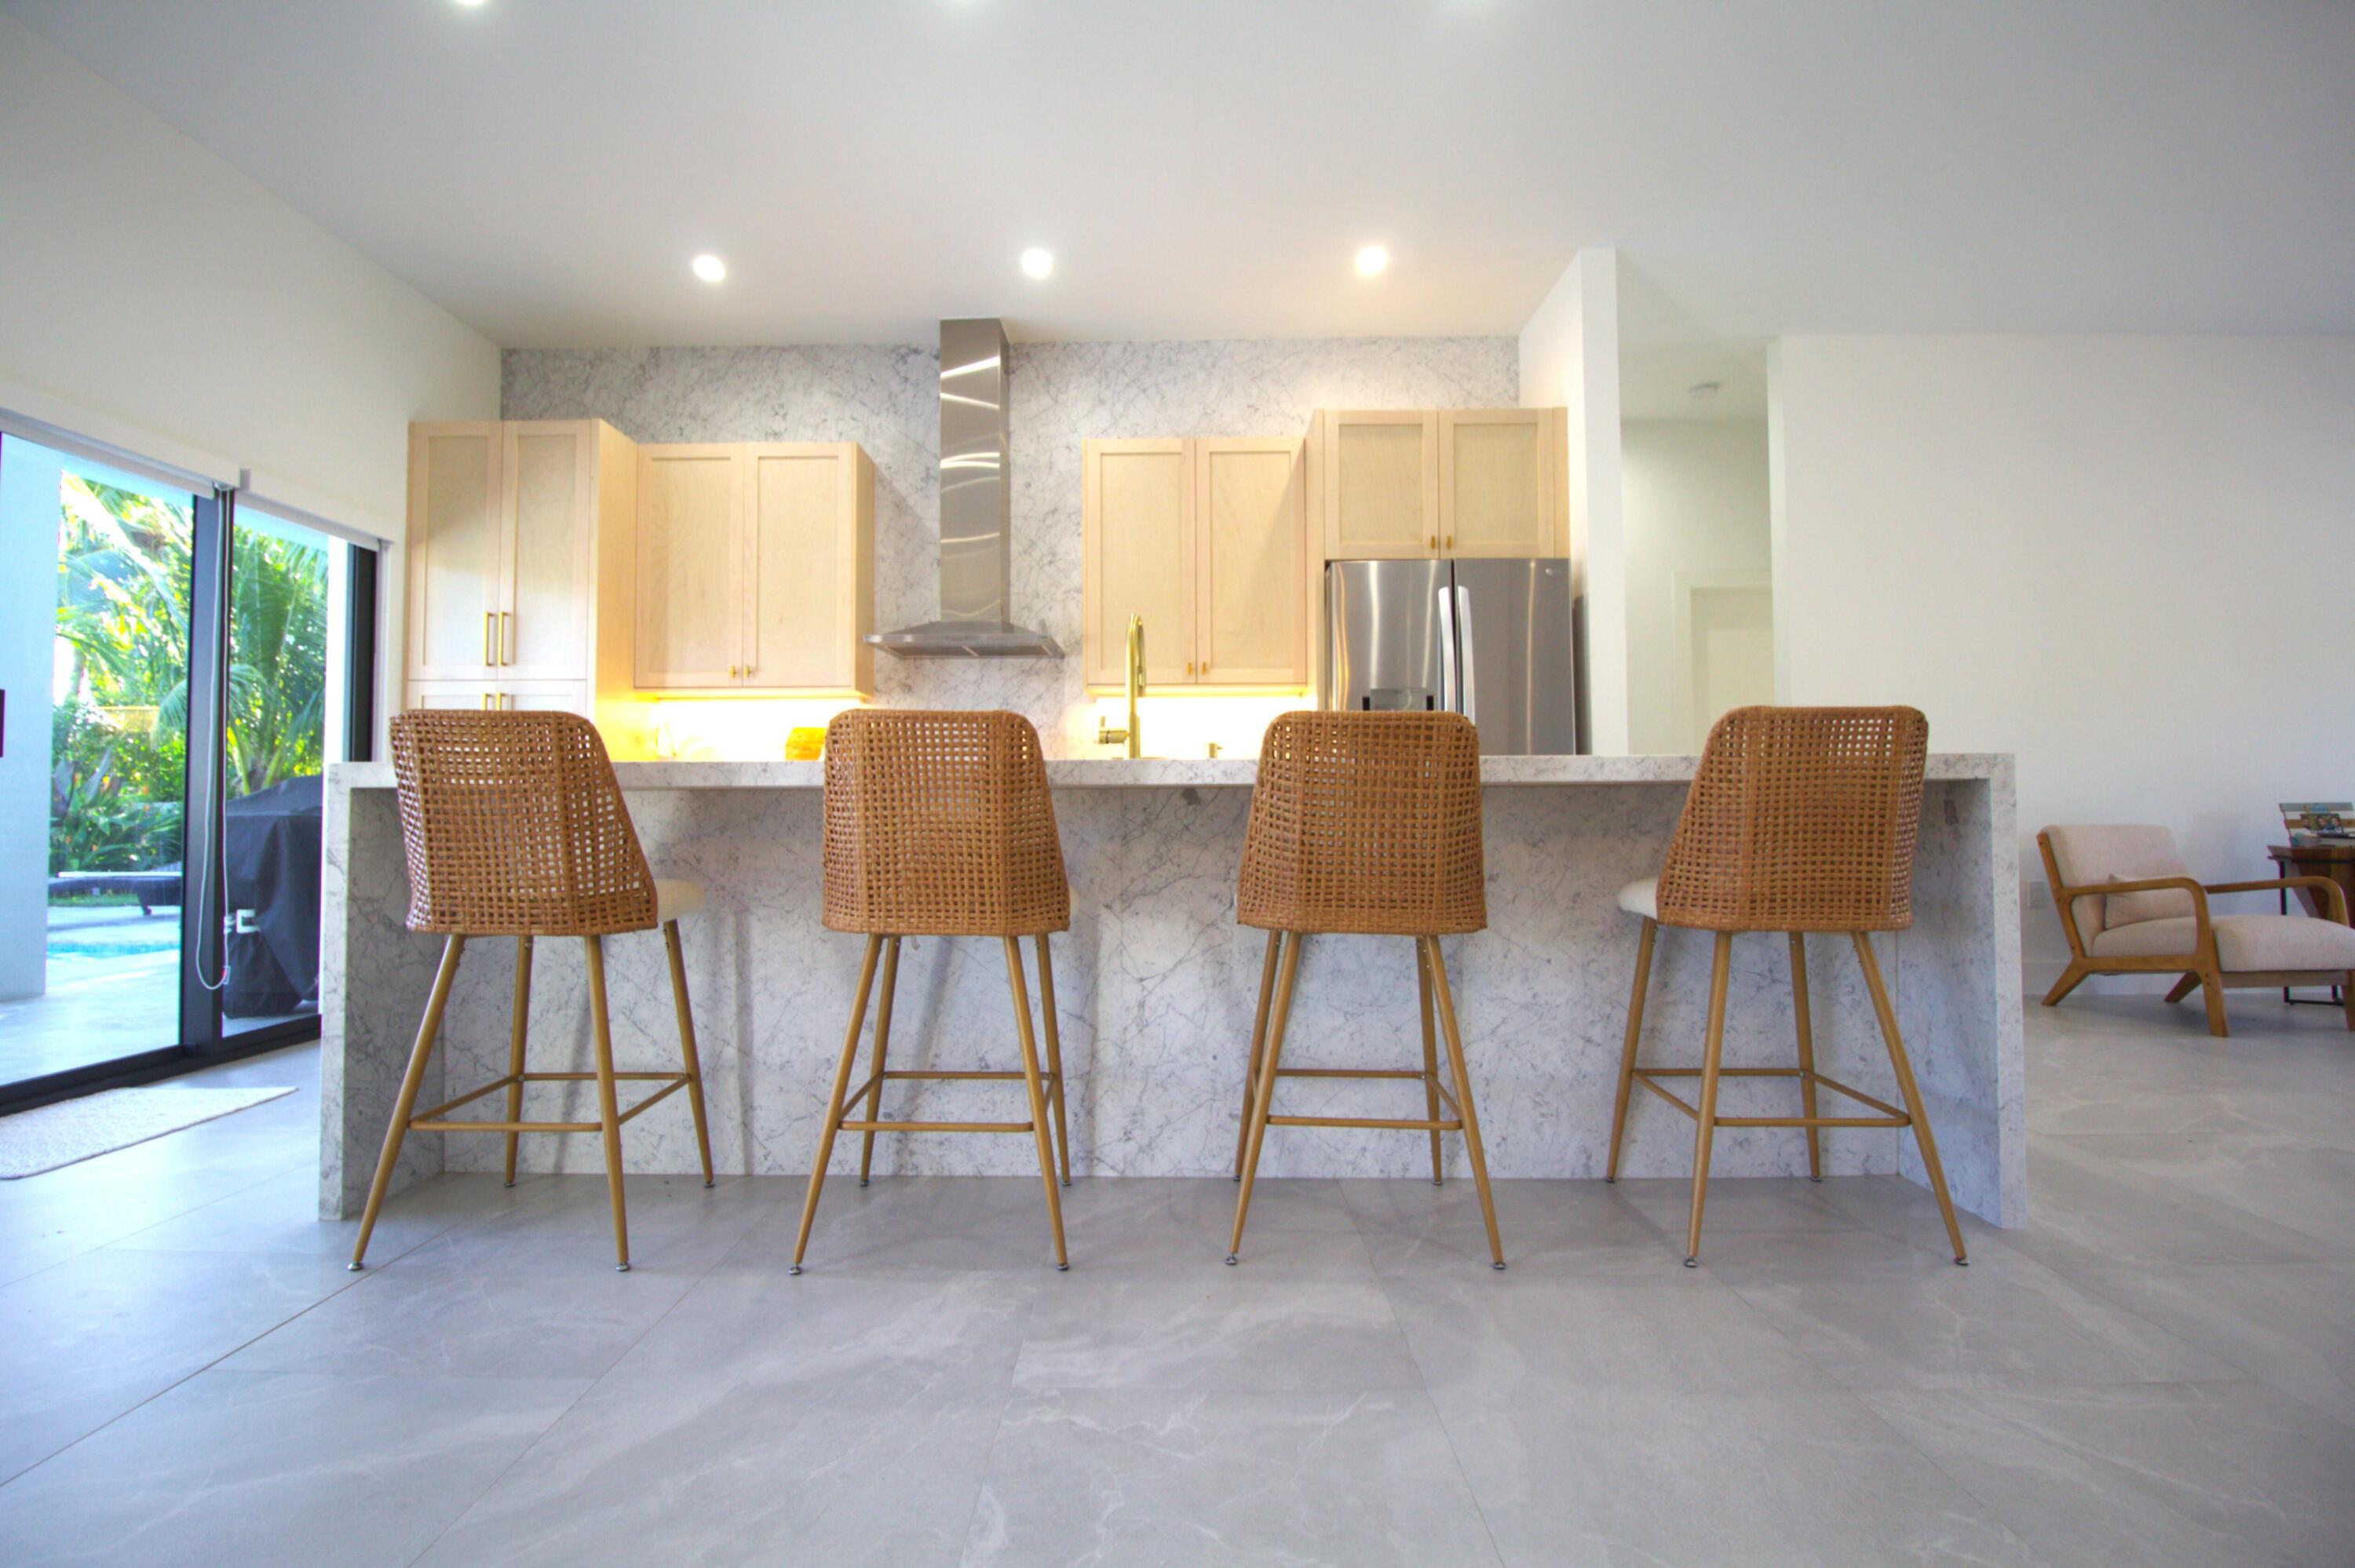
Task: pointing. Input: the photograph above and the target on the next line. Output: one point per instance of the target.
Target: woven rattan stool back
(939, 823)
(513, 825)
(1365, 823)
(1800, 820)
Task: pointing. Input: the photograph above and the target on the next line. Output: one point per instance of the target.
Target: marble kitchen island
(1155, 983)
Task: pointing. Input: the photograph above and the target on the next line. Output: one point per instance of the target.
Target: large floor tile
(1152, 1477)
(1582, 1229)
(2154, 1474)
(1872, 1313)
(909, 1222)
(2084, 1210)
(98, 1334)
(1204, 1326)
(773, 1419)
(1484, 1338)
(240, 1468)
(523, 1309)
(1653, 1473)
(2290, 1325)
(2300, 1187)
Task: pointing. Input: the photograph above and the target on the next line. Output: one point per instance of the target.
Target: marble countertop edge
(1184, 773)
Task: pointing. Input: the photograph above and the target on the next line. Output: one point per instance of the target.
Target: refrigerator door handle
(1446, 596)
(1464, 640)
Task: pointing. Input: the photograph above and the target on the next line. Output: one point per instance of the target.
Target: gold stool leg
(609, 1110)
(1054, 1055)
(690, 1058)
(1705, 1131)
(1265, 1095)
(1470, 1117)
(834, 1100)
(1628, 1050)
(1807, 1053)
(1906, 1087)
(418, 1055)
(1258, 1044)
(1430, 1058)
(514, 1044)
(882, 1046)
(1038, 1095)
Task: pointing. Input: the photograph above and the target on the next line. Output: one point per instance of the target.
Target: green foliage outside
(118, 735)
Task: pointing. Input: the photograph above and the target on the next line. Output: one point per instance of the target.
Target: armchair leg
(2184, 988)
(2071, 978)
(2347, 996)
(2212, 983)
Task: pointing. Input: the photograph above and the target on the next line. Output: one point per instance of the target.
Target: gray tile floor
(2160, 1368)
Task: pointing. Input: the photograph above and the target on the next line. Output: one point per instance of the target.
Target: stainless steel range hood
(976, 543)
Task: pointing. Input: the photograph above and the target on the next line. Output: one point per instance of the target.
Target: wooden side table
(2332, 858)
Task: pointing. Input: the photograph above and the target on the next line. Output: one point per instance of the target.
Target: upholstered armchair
(2128, 905)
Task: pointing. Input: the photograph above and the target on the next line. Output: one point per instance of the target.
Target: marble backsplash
(886, 398)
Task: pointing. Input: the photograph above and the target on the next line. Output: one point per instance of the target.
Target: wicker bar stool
(938, 824)
(1798, 819)
(1364, 823)
(513, 825)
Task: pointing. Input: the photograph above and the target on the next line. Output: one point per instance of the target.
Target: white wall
(1694, 494)
(1570, 359)
(148, 287)
(2123, 558)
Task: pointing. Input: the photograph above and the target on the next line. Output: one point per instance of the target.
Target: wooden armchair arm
(2334, 900)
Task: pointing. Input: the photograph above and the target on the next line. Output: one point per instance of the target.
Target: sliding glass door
(174, 675)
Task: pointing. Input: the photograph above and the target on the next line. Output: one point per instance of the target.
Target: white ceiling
(545, 168)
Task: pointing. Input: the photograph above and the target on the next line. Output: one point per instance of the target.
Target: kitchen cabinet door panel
(1497, 482)
(690, 563)
(1381, 485)
(798, 630)
(454, 550)
(1135, 509)
(550, 481)
(1251, 544)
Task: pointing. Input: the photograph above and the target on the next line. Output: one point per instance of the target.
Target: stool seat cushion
(1642, 898)
(672, 899)
(2244, 942)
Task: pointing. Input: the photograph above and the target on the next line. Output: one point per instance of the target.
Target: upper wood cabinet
(756, 568)
(1435, 483)
(1137, 550)
(518, 580)
(1207, 540)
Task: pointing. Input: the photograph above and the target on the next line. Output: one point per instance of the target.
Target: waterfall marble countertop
(1154, 986)
(1176, 772)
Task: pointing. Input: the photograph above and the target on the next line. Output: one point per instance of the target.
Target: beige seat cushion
(2089, 856)
(2243, 942)
(1642, 898)
(672, 899)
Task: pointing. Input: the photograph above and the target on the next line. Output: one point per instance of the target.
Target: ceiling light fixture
(1038, 262)
(469, 5)
(710, 268)
(1372, 260)
(1702, 391)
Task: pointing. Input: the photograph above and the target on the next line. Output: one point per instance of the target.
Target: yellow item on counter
(804, 743)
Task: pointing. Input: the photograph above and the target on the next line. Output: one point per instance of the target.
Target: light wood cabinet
(756, 568)
(518, 580)
(1207, 540)
(1437, 483)
(1137, 550)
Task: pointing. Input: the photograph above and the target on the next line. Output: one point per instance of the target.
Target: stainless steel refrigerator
(1495, 640)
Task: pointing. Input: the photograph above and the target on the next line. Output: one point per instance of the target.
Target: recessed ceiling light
(1372, 260)
(710, 268)
(469, 5)
(1038, 262)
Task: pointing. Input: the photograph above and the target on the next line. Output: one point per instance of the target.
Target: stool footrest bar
(1414, 1125)
(934, 1127)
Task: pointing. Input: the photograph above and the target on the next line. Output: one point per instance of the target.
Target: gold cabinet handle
(506, 624)
(488, 620)
(1435, 541)
(1451, 541)
(486, 701)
